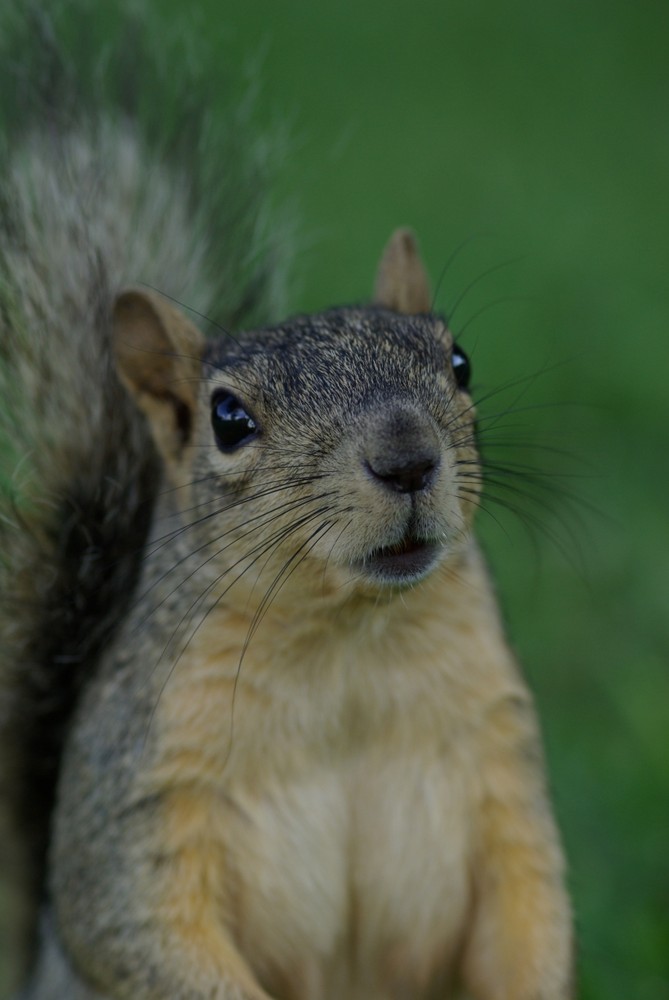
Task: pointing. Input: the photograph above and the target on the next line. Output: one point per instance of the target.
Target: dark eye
(461, 367)
(232, 424)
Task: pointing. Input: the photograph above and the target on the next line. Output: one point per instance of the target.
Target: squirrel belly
(278, 801)
(263, 737)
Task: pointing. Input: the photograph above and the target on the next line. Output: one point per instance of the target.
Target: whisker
(481, 277)
(158, 543)
(192, 310)
(502, 300)
(265, 518)
(270, 543)
(451, 259)
(279, 581)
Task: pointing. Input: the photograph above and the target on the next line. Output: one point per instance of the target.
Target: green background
(536, 132)
(530, 139)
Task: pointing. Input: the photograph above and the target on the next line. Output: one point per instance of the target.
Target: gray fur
(93, 196)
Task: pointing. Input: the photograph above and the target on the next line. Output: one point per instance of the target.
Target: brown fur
(338, 792)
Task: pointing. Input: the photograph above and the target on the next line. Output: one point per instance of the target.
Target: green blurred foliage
(536, 133)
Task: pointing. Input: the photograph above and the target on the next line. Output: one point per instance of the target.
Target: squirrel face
(342, 442)
(357, 431)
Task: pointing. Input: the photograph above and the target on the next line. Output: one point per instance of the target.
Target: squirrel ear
(158, 353)
(402, 283)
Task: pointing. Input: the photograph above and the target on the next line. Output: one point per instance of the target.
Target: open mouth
(403, 562)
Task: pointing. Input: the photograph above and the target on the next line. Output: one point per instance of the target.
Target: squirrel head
(342, 443)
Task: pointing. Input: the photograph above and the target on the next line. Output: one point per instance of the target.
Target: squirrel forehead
(369, 343)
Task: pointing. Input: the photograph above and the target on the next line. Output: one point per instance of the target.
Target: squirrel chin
(402, 564)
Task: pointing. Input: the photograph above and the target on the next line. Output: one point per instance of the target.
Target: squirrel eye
(232, 424)
(461, 366)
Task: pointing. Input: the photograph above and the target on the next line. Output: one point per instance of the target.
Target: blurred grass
(537, 129)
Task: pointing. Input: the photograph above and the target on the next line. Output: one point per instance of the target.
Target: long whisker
(157, 543)
(279, 581)
(481, 277)
(502, 300)
(193, 311)
(265, 518)
(261, 549)
(451, 259)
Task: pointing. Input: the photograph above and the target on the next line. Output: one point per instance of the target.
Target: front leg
(519, 945)
(140, 910)
(56, 976)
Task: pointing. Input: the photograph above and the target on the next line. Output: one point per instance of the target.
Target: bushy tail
(114, 170)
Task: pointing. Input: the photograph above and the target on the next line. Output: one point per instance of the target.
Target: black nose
(408, 475)
(401, 449)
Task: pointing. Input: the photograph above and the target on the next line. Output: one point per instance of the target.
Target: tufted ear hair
(158, 353)
(402, 283)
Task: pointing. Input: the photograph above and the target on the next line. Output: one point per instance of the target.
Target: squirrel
(263, 736)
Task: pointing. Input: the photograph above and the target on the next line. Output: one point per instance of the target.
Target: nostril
(401, 448)
(405, 476)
